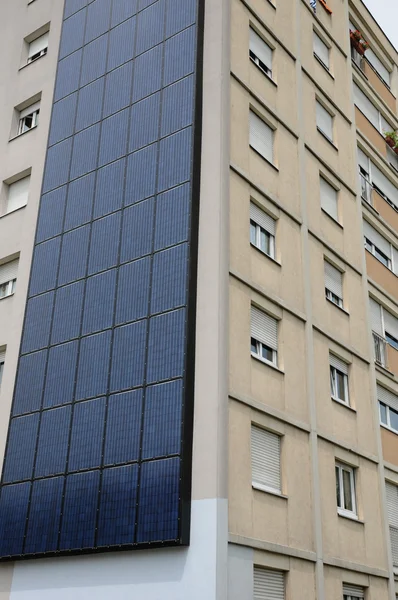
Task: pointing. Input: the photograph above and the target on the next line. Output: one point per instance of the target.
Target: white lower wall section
(240, 573)
(194, 573)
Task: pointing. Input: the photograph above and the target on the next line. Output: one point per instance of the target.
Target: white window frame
(267, 70)
(42, 52)
(35, 120)
(325, 133)
(257, 243)
(257, 347)
(9, 287)
(373, 249)
(326, 65)
(334, 387)
(388, 424)
(340, 468)
(330, 294)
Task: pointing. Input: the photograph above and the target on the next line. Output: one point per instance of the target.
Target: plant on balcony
(391, 138)
(358, 42)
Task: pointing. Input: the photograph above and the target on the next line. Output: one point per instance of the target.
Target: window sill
(267, 490)
(12, 211)
(332, 218)
(339, 307)
(328, 139)
(32, 62)
(350, 517)
(343, 404)
(15, 137)
(388, 428)
(385, 370)
(9, 296)
(266, 362)
(264, 158)
(265, 254)
(323, 65)
(269, 77)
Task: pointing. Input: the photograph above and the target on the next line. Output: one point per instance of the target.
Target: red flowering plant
(358, 42)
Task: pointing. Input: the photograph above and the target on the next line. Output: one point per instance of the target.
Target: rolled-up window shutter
(266, 449)
(333, 280)
(392, 512)
(260, 49)
(29, 110)
(375, 317)
(378, 65)
(328, 198)
(261, 137)
(390, 324)
(321, 50)
(324, 120)
(8, 271)
(2, 356)
(268, 584)
(38, 45)
(366, 106)
(384, 184)
(377, 239)
(338, 364)
(264, 328)
(18, 193)
(387, 397)
(353, 590)
(262, 218)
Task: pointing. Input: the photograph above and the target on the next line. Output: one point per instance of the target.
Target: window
(260, 53)
(29, 118)
(324, 121)
(392, 513)
(261, 137)
(8, 278)
(339, 379)
(262, 230)
(2, 361)
(345, 490)
(321, 51)
(38, 47)
(377, 245)
(266, 455)
(18, 193)
(268, 584)
(390, 328)
(378, 66)
(264, 336)
(388, 408)
(328, 199)
(353, 592)
(378, 180)
(370, 111)
(385, 330)
(333, 284)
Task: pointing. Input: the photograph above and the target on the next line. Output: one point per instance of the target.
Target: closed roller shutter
(261, 218)
(324, 120)
(38, 45)
(378, 65)
(333, 280)
(264, 328)
(353, 590)
(260, 49)
(384, 184)
(338, 364)
(261, 137)
(392, 512)
(268, 584)
(321, 50)
(8, 271)
(377, 239)
(328, 198)
(387, 397)
(18, 193)
(266, 449)
(375, 317)
(366, 106)
(390, 324)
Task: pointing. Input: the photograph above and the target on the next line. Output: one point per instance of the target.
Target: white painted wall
(240, 572)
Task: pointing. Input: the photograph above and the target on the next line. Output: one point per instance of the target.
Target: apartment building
(198, 301)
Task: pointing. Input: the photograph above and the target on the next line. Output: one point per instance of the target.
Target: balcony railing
(380, 350)
(366, 189)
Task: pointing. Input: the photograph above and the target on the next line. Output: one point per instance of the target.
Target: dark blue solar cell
(74, 255)
(37, 322)
(172, 217)
(63, 119)
(179, 59)
(52, 448)
(21, 445)
(137, 230)
(128, 341)
(51, 216)
(87, 435)
(145, 3)
(162, 420)
(141, 174)
(68, 74)
(92, 375)
(72, 6)
(60, 380)
(169, 280)
(57, 165)
(67, 313)
(89, 108)
(133, 291)
(147, 73)
(166, 346)
(44, 267)
(117, 506)
(175, 159)
(98, 19)
(114, 137)
(109, 189)
(72, 34)
(178, 104)
(123, 425)
(29, 386)
(179, 15)
(104, 243)
(13, 510)
(118, 89)
(159, 500)
(99, 302)
(80, 509)
(79, 205)
(150, 27)
(44, 516)
(122, 10)
(145, 116)
(94, 60)
(121, 44)
(84, 158)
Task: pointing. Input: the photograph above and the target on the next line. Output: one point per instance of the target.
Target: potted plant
(391, 138)
(358, 43)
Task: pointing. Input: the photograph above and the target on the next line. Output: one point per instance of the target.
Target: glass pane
(347, 490)
(253, 345)
(340, 386)
(252, 233)
(266, 352)
(264, 241)
(337, 487)
(3, 290)
(381, 257)
(383, 414)
(392, 341)
(394, 419)
(368, 245)
(333, 382)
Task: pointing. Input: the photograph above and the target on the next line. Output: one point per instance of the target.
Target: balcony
(380, 350)
(381, 275)
(385, 209)
(378, 85)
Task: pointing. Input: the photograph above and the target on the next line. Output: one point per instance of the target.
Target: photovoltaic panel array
(98, 453)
